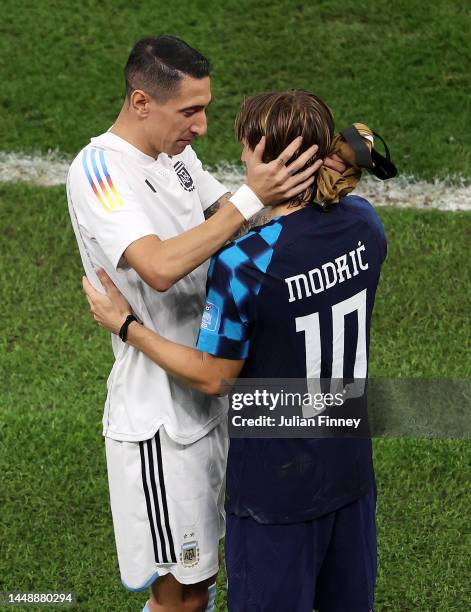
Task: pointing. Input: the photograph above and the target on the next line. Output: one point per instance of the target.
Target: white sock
(211, 607)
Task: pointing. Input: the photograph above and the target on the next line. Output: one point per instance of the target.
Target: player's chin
(180, 146)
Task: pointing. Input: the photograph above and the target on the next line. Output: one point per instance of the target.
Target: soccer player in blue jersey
(293, 298)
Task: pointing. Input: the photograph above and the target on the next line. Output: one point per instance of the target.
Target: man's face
(171, 126)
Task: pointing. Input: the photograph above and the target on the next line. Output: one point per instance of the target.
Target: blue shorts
(328, 564)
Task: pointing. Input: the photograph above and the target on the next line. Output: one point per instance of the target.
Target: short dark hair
(158, 63)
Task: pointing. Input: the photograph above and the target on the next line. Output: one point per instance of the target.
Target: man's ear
(140, 103)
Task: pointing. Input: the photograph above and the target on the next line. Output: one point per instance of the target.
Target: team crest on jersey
(210, 318)
(190, 552)
(184, 176)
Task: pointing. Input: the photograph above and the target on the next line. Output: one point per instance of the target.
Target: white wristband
(246, 202)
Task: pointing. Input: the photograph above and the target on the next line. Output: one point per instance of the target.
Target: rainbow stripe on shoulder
(96, 171)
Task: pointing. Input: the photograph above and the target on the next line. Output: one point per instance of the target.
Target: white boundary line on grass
(402, 192)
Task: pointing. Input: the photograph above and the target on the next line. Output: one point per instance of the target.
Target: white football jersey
(116, 195)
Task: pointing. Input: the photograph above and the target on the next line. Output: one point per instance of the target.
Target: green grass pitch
(401, 68)
(56, 530)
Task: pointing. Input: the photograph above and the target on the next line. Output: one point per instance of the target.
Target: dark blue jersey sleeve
(223, 332)
(235, 277)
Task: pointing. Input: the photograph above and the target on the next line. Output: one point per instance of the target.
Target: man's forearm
(176, 257)
(190, 365)
(260, 218)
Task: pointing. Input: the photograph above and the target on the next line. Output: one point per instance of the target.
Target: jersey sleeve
(209, 188)
(105, 204)
(225, 329)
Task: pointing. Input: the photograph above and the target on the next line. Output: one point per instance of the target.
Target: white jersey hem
(179, 439)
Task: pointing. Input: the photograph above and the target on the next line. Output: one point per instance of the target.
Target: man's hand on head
(278, 181)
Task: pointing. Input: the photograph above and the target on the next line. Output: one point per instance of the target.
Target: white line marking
(402, 192)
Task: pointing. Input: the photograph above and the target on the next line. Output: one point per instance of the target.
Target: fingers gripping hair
(281, 116)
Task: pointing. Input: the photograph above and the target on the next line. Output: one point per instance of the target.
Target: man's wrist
(246, 201)
(132, 328)
(123, 331)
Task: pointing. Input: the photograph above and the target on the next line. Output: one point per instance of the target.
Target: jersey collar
(116, 143)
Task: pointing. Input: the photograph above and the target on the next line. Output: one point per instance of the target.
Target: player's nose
(200, 126)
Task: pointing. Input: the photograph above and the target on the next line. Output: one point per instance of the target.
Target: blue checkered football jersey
(294, 298)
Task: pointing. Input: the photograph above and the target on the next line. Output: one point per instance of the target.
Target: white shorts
(167, 502)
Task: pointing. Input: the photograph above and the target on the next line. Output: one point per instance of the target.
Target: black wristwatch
(123, 332)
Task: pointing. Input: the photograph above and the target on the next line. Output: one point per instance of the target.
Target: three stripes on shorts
(156, 500)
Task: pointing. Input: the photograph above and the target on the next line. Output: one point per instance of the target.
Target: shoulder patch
(211, 317)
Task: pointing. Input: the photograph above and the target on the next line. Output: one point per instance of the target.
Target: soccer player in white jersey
(138, 197)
